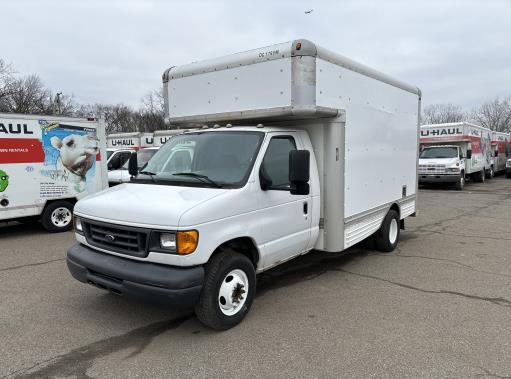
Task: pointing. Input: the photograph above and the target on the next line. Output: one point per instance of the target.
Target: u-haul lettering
(15, 129)
(122, 142)
(440, 132)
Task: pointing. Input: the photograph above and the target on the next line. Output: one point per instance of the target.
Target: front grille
(117, 238)
(431, 169)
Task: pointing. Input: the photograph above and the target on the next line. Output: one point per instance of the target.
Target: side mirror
(299, 172)
(469, 154)
(114, 163)
(133, 165)
(496, 153)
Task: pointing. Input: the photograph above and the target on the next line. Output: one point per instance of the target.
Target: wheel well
(72, 200)
(243, 245)
(396, 208)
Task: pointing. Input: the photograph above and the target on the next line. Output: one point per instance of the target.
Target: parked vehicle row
(454, 152)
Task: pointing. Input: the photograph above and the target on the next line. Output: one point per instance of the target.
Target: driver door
(285, 219)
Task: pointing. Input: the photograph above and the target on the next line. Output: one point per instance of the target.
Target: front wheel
(387, 236)
(460, 184)
(228, 290)
(58, 216)
(490, 173)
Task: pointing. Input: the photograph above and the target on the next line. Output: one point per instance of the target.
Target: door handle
(305, 207)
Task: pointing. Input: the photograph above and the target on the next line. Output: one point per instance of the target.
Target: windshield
(219, 159)
(440, 152)
(143, 157)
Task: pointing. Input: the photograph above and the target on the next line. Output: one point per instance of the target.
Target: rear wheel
(58, 216)
(228, 290)
(387, 237)
(480, 176)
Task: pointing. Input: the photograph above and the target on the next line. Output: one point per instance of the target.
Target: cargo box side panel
(250, 87)
(380, 149)
(38, 157)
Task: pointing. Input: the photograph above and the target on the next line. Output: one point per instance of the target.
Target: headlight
(182, 242)
(453, 169)
(168, 241)
(78, 225)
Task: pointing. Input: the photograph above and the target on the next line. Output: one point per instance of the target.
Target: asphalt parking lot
(439, 306)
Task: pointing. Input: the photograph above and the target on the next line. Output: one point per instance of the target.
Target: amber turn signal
(187, 241)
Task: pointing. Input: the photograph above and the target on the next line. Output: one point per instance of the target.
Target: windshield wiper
(150, 174)
(202, 178)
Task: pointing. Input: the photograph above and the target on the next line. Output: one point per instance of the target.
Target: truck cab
(442, 164)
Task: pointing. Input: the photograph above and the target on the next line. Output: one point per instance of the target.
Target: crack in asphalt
(462, 265)
(488, 373)
(467, 236)
(78, 361)
(31, 264)
(500, 301)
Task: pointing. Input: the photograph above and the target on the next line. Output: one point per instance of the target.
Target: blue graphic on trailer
(69, 153)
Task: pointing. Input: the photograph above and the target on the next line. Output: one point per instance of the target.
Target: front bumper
(168, 285)
(439, 178)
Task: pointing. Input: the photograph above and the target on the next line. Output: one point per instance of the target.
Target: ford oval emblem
(109, 237)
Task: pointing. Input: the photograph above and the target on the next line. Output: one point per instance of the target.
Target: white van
(501, 150)
(295, 158)
(46, 165)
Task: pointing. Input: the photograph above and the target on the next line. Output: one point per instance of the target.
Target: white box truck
(46, 165)
(452, 152)
(501, 149)
(306, 150)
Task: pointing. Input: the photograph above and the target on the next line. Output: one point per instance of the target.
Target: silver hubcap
(61, 217)
(393, 231)
(233, 292)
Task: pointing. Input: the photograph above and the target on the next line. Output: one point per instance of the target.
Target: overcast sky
(115, 51)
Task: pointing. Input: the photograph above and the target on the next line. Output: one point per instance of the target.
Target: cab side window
(275, 167)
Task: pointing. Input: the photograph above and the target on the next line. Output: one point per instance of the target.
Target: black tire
(383, 237)
(490, 174)
(508, 176)
(66, 208)
(208, 308)
(480, 176)
(460, 184)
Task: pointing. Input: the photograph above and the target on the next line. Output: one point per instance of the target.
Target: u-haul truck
(452, 152)
(298, 160)
(46, 165)
(501, 149)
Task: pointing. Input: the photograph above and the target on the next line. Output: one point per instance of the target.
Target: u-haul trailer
(306, 150)
(452, 152)
(501, 150)
(48, 163)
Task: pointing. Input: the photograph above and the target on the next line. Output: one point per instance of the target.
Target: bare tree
(6, 78)
(150, 117)
(443, 113)
(494, 115)
(28, 95)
